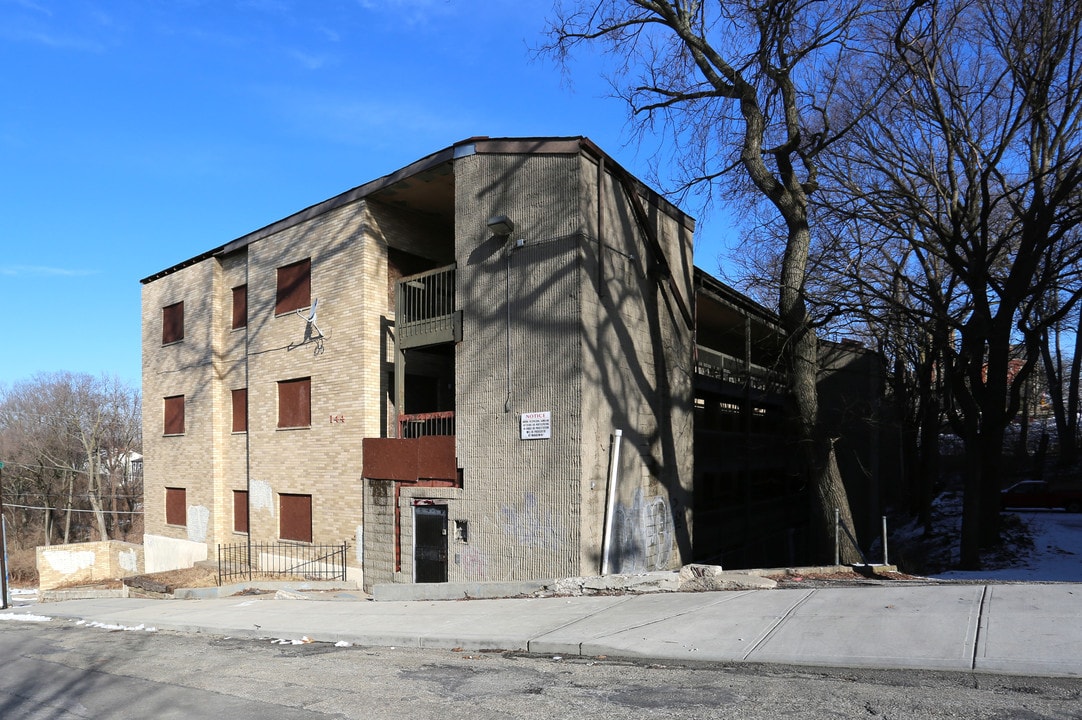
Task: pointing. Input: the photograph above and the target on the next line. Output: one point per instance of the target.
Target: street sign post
(5, 603)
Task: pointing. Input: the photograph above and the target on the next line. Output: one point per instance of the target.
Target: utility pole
(4, 604)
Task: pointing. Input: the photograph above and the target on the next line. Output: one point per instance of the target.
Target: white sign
(535, 425)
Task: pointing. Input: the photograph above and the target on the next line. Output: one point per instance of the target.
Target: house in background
(447, 368)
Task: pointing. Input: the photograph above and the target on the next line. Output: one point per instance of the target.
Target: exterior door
(430, 543)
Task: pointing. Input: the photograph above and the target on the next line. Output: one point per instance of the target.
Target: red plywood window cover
(240, 410)
(240, 306)
(174, 415)
(294, 287)
(296, 514)
(240, 511)
(176, 506)
(173, 323)
(295, 403)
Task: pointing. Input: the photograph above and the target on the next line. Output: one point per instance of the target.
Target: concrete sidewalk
(1023, 629)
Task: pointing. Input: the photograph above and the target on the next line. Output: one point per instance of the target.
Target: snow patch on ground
(1038, 545)
(24, 617)
(1048, 550)
(106, 626)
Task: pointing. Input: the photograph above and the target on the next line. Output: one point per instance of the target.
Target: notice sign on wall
(535, 425)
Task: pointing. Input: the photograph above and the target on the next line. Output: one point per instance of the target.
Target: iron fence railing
(281, 560)
(426, 424)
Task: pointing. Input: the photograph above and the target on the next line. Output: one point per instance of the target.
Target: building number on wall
(335, 419)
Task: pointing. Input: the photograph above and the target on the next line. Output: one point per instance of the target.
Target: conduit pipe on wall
(610, 501)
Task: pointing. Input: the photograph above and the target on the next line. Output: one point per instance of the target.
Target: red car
(1040, 494)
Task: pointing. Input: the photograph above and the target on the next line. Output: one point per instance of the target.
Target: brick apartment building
(433, 367)
(449, 367)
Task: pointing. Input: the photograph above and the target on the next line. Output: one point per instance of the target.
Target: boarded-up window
(172, 323)
(296, 517)
(240, 306)
(295, 403)
(294, 287)
(240, 511)
(176, 506)
(240, 410)
(174, 415)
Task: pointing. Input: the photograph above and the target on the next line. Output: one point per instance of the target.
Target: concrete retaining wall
(164, 553)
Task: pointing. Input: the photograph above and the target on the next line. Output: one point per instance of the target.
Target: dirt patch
(842, 578)
(170, 580)
(95, 585)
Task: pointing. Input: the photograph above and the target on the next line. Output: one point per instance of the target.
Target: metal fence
(726, 367)
(426, 424)
(281, 561)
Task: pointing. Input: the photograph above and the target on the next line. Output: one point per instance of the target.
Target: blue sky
(138, 133)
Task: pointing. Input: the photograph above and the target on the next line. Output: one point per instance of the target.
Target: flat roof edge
(734, 298)
(571, 145)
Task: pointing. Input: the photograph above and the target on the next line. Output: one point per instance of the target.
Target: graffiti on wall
(642, 534)
(473, 562)
(529, 525)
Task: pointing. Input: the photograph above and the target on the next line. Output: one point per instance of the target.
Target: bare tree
(37, 453)
(741, 90)
(1062, 375)
(66, 440)
(973, 160)
(121, 439)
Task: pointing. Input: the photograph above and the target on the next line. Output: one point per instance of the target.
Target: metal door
(430, 543)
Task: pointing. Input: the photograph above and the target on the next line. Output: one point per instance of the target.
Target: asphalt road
(62, 671)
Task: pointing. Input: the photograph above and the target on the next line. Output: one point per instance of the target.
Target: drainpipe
(247, 422)
(610, 501)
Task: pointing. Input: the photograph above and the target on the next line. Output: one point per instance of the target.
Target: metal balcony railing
(711, 363)
(426, 424)
(425, 308)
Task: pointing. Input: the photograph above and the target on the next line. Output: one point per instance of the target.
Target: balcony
(712, 364)
(424, 449)
(425, 311)
(410, 459)
(433, 424)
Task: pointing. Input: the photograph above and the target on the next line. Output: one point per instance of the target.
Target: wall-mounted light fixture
(501, 225)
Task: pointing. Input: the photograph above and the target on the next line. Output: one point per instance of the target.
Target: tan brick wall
(349, 281)
(184, 368)
(325, 459)
(590, 339)
(87, 563)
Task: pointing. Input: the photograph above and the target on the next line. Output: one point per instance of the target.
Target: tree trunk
(970, 552)
(1069, 444)
(929, 450)
(816, 453)
(1053, 371)
(68, 509)
(94, 494)
(990, 459)
(1022, 447)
